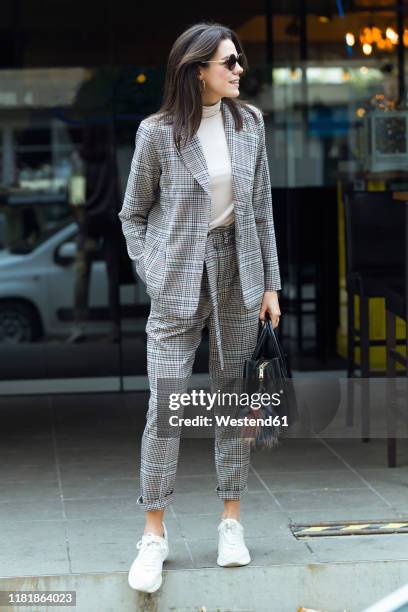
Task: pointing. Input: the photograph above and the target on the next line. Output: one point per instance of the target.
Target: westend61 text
(227, 421)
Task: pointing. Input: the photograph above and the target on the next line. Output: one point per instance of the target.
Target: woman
(197, 218)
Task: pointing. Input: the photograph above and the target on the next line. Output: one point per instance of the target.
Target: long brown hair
(182, 102)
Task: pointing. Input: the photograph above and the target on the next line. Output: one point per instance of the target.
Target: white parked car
(37, 290)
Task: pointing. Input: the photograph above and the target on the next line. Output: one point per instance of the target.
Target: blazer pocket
(154, 259)
(140, 269)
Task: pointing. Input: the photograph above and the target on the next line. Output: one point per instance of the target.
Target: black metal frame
(360, 337)
(393, 358)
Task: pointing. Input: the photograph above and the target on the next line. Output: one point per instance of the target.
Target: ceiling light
(392, 35)
(350, 39)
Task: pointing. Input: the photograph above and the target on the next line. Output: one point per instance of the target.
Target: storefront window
(328, 78)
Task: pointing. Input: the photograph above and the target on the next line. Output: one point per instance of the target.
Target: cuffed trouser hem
(231, 494)
(157, 504)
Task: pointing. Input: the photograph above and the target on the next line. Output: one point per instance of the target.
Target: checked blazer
(166, 212)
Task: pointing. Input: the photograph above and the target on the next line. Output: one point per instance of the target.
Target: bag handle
(260, 343)
(267, 329)
(277, 347)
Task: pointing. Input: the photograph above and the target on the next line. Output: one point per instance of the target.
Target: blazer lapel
(193, 157)
(242, 146)
(239, 144)
(231, 135)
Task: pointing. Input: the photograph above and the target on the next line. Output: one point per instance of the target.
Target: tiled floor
(69, 479)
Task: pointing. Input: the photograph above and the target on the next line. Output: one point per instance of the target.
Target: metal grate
(335, 528)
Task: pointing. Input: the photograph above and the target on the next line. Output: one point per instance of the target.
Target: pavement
(69, 480)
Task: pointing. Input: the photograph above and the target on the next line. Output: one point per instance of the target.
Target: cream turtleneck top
(216, 152)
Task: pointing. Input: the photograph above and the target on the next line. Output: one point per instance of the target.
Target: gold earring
(203, 84)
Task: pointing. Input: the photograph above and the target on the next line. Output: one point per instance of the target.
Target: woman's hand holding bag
(266, 372)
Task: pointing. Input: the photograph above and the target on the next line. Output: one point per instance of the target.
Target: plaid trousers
(171, 347)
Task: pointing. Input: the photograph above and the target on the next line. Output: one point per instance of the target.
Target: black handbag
(267, 373)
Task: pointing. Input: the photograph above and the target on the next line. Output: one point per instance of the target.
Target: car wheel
(18, 322)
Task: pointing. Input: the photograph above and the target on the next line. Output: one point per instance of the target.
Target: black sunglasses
(229, 63)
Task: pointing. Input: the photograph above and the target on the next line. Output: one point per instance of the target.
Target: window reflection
(65, 275)
(67, 138)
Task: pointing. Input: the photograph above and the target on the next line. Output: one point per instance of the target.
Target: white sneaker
(145, 573)
(232, 551)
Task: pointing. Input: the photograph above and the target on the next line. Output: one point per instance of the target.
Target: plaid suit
(166, 212)
(196, 278)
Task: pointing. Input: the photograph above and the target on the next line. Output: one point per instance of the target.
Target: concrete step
(332, 587)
